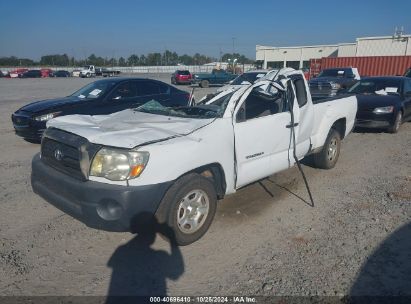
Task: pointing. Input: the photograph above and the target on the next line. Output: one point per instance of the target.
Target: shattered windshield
(214, 108)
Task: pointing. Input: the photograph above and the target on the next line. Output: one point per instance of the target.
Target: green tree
(122, 62)
(133, 60)
(143, 60)
(154, 59)
(112, 62)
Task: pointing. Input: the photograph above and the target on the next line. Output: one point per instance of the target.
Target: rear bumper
(98, 205)
(187, 81)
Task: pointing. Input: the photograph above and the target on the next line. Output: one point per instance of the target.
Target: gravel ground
(265, 239)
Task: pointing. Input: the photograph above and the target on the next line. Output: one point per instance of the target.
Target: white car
(75, 73)
(176, 163)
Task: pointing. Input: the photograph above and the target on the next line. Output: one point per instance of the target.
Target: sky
(31, 28)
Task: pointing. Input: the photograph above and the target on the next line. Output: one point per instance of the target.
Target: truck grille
(68, 153)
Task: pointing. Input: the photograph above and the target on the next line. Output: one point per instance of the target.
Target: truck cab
(88, 71)
(215, 77)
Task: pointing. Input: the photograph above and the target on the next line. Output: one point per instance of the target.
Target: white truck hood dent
(128, 128)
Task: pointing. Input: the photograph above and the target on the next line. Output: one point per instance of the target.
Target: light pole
(285, 59)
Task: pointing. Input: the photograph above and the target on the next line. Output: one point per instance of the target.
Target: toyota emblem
(58, 154)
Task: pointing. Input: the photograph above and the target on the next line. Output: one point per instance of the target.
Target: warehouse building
(299, 56)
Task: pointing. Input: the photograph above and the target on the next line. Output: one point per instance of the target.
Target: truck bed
(329, 110)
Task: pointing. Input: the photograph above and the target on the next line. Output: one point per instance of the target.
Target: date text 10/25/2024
(203, 299)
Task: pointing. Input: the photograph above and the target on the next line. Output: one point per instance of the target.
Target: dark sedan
(101, 97)
(61, 73)
(31, 74)
(383, 102)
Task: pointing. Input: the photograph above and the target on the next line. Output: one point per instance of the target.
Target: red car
(181, 77)
(17, 73)
(46, 73)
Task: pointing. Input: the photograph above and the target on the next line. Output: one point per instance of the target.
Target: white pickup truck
(175, 163)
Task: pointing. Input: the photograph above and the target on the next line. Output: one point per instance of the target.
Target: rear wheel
(328, 156)
(188, 208)
(397, 123)
(204, 83)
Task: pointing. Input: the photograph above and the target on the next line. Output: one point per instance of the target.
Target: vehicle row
(384, 102)
(86, 72)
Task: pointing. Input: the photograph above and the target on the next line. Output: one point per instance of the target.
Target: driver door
(262, 136)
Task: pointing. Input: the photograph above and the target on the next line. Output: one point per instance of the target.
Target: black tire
(204, 83)
(328, 156)
(397, 123)
(169, 208)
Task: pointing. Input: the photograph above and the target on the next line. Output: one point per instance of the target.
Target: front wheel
(188, 208)
(204, 83)
(328, 156)
(397, 123)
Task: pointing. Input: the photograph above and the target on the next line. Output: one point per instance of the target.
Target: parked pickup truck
(175, 163)
(330, 81)
(215, 77)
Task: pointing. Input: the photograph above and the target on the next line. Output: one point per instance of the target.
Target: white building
(299, 56)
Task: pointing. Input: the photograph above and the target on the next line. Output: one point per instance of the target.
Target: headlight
(118, 164)
(335, 85)
(383, 110)
(47, 116)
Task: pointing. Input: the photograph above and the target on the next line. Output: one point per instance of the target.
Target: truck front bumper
(98, 205)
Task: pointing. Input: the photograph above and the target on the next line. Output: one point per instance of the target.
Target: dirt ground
(265, 239)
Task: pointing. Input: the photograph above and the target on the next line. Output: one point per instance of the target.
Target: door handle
(291, 125)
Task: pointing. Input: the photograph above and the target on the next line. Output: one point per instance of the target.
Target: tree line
(150, 59)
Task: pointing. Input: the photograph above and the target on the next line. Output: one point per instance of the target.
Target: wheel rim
(192, 211)
(332, 149)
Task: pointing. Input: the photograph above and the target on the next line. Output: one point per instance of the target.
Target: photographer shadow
(387, 272)
(138, 269)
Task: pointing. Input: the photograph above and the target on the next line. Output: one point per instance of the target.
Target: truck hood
(128, 128)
